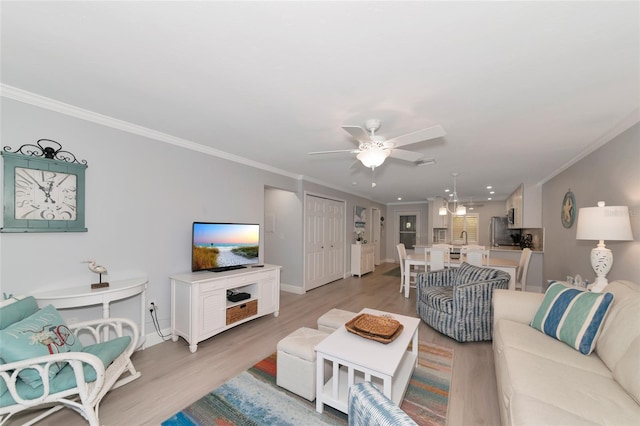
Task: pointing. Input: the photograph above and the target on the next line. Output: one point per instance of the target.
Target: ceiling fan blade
(402, 154)
(352, 151)
(357, 132)
(418, 136)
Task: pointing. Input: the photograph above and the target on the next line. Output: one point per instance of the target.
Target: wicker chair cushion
(65, 379)
(468, 273)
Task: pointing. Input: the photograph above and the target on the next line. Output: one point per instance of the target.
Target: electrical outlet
(153, 304)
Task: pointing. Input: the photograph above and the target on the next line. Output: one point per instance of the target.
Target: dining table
(509, 266)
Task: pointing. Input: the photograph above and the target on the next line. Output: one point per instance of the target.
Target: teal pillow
(3, 384)
(14, 310)
(42, 333)
(572, 316)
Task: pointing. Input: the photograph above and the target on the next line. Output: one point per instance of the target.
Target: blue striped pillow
(572, 316)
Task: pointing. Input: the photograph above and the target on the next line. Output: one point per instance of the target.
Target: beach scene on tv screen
(220, 245)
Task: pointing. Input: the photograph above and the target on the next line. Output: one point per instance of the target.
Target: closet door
(334, 240)
(324, 241)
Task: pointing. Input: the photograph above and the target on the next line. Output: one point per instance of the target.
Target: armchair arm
(466, 297)
(9, 373)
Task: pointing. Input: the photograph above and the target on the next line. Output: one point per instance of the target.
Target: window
(408, 230)
(467, 223)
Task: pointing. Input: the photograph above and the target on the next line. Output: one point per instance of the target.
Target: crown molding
(30, 98)
(624, 125)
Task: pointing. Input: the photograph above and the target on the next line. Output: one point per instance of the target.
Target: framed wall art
(568, 213)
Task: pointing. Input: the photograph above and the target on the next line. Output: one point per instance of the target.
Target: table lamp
(603, 223)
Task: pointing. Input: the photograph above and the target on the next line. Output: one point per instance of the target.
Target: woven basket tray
(380, 329)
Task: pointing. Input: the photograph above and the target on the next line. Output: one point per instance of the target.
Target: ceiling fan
(374, 149)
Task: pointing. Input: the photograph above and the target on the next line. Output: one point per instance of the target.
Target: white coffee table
(355, 359)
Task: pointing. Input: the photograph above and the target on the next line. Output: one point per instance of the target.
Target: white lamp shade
(604, 223)
(442, 211)
(461, 210)
(373, 157)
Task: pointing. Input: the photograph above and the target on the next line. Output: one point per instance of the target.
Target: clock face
(45, 195)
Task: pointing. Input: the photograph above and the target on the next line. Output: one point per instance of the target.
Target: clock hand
(47, 193)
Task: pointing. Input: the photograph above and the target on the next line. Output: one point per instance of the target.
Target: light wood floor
(173, 377)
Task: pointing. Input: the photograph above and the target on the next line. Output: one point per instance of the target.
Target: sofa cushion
(619, 338)
(583, 396)
(42, 333)
(439, 298)
(467, 273)
(512, 334)
(572, 316)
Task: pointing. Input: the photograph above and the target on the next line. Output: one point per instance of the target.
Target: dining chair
(523, 269)
(402, 254)
(477, 257)
(437, 258)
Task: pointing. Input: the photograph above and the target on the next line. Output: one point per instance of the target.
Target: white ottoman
(334, 319)
(296, 362)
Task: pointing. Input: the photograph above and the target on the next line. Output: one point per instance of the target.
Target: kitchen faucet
(466, 241)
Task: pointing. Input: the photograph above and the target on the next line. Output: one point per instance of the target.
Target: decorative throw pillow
(572, 316)
(42, 333)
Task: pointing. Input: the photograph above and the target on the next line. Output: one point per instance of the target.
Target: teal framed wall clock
(568, 213)
(44, 189)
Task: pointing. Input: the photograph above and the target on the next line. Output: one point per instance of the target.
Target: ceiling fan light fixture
(373, 157)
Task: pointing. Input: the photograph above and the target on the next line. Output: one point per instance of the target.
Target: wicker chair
(457, 301)
(71, 375)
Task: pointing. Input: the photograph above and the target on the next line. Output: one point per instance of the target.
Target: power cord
(153, 311)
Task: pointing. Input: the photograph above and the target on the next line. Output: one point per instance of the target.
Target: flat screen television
(224, 246)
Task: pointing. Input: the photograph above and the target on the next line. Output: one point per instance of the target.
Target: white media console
(199, 305)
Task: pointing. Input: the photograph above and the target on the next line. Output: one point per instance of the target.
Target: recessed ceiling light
(489, 187)
(447, 190)
(489, 199)
(492, 192)
(399, 198)
(354, 183)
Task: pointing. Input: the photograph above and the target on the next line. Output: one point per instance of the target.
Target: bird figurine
(98, 270)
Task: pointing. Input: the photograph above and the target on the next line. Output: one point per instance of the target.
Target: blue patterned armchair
(457, 301)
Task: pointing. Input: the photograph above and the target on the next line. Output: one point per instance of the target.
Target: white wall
(610, 174)
(284, 210)
(142, 196)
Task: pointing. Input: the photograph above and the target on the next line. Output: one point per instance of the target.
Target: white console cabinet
(362, 259)
(199, 305)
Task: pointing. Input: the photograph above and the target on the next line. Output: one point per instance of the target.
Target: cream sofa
(543, 381)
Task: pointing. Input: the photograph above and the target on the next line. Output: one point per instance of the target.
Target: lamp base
(598, 285)
(601, 262)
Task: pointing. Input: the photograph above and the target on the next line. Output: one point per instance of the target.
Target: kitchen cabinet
(515, 204)
(435, 219)
(526, 201)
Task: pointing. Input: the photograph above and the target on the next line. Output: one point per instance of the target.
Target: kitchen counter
(512, 248)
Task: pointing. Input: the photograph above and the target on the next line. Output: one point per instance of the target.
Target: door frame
(376, 233)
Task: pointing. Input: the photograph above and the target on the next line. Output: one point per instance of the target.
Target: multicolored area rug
(253, 398)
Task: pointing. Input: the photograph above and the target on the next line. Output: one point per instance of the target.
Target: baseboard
(291, 288)
(153, 339)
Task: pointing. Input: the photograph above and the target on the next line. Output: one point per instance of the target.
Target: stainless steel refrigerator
(501, 235)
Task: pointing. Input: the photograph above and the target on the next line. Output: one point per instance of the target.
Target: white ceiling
(521, 88)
